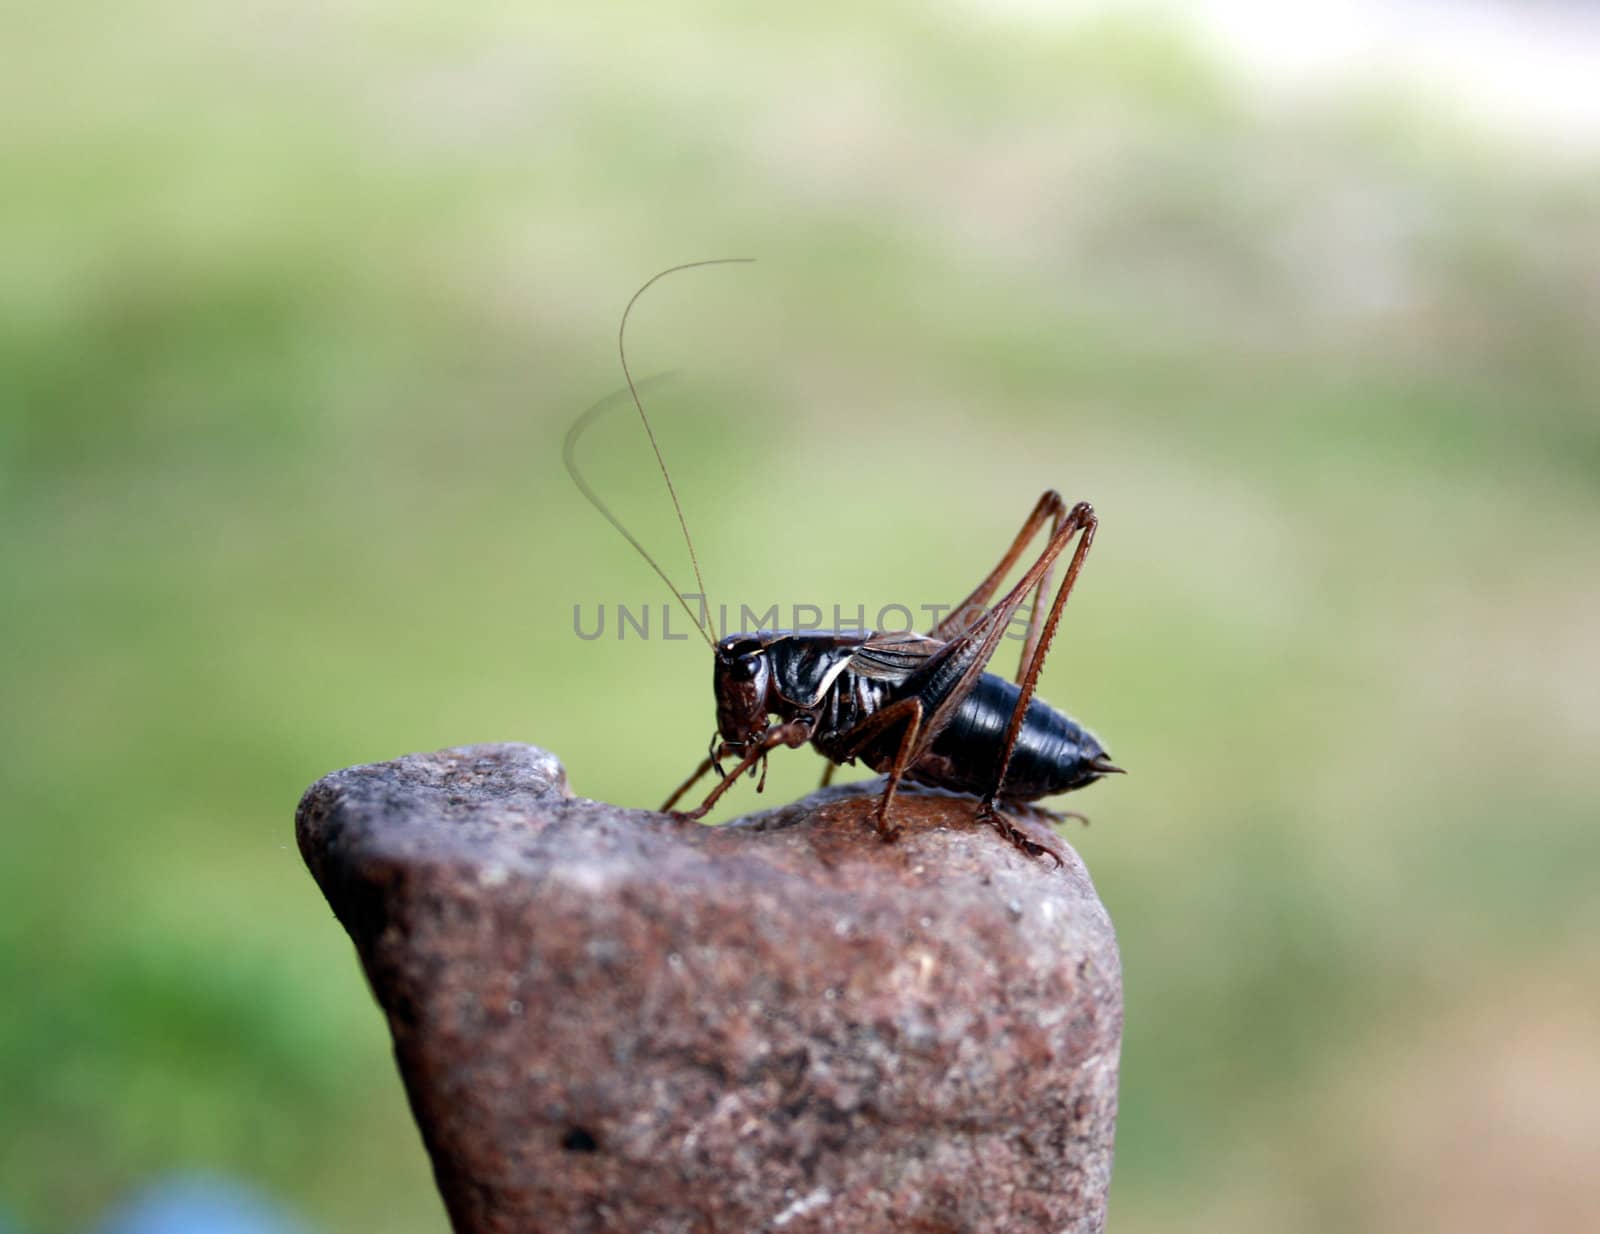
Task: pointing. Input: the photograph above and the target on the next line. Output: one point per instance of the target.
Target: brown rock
(608, 1021)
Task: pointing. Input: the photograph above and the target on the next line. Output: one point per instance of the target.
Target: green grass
(291, 325)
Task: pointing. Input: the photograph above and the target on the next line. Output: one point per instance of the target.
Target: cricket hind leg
(992, 815)
(1080, 521)
(1049, 817)
(1049, 508)
(952, 672)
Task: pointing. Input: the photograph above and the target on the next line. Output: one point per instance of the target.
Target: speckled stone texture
(609, 1021)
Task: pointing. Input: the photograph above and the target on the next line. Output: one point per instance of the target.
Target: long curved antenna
(569, 457)
(622, 354)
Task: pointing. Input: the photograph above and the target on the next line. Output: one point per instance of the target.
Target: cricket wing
(893, 657)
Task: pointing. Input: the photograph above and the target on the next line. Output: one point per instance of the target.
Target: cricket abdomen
(1054, 753)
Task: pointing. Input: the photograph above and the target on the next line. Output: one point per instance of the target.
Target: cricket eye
(746, 667)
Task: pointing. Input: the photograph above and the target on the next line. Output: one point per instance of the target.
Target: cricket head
(743, 683)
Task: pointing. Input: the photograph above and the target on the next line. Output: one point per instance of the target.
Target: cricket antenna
(622, 355)
(569, 458)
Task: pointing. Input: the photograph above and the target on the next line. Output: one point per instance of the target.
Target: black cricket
(914, 706)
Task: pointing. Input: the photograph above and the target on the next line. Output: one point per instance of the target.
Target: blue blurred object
(197, 1205)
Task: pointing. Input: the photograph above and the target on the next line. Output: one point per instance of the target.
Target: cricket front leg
(694, 778)
(793, 733)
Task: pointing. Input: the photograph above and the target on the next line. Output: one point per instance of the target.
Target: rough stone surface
(608, 1021)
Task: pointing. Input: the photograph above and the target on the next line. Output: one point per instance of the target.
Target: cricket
(918, 707)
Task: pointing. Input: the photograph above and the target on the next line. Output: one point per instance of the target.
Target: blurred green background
(297, 302)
